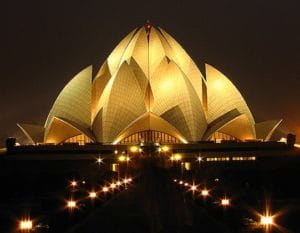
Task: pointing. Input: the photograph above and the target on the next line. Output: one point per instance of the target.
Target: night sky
(256, 44)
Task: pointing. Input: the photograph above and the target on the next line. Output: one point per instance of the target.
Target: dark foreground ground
(153, 202)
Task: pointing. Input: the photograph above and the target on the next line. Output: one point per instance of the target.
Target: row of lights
(218, 159)
(135, 149)
(132, 149)
(26, 224)
(176, 157)
(203, 192)
(266, 220)
(123, 157)
(71, 204)
(163, 149)
(233, 158)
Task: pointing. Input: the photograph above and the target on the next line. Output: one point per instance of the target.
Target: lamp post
(199, 160)
(92, 195)
(204, 193)
(99, 161)
(194, 189)
(26, 225)
(71, 205)
(225, 202)
(73, 183)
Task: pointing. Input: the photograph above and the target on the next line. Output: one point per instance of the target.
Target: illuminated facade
(149, 90)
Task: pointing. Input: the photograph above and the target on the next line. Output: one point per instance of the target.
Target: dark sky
(45, 43)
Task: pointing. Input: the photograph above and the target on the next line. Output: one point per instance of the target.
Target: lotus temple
(149, 90)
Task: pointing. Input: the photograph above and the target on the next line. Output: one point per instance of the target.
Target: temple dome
(150, 88)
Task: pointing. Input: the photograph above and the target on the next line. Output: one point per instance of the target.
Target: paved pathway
(152, 205)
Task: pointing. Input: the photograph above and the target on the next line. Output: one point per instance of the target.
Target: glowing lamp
(165, 149)
(105, 189)
(225, 202)
(134, 149)
(193, 187)
(71, 204)
(177, 157)
(122, 158)
(204, 192)
(26, 225)
(99, 160)
(119, 183)
(92, 195)
(73, 183)
(266, 220)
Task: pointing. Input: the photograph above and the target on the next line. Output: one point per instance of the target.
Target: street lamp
(99, 160)
(199, 160)
(204, 192)
(225, 202)
(194, 188)
(113, 186)
(71, 204)
(165, 148)
(73, 183)
(266, 220)
(177, 157)
(105, 189)
(92, 195)
(129, 179)
(125, 181)
(119, 183)
(26, 225)
(134, 149)
(122, 158)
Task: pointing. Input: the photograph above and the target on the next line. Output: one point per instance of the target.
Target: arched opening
(81, 139)
(218, 136)
(150, 136)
